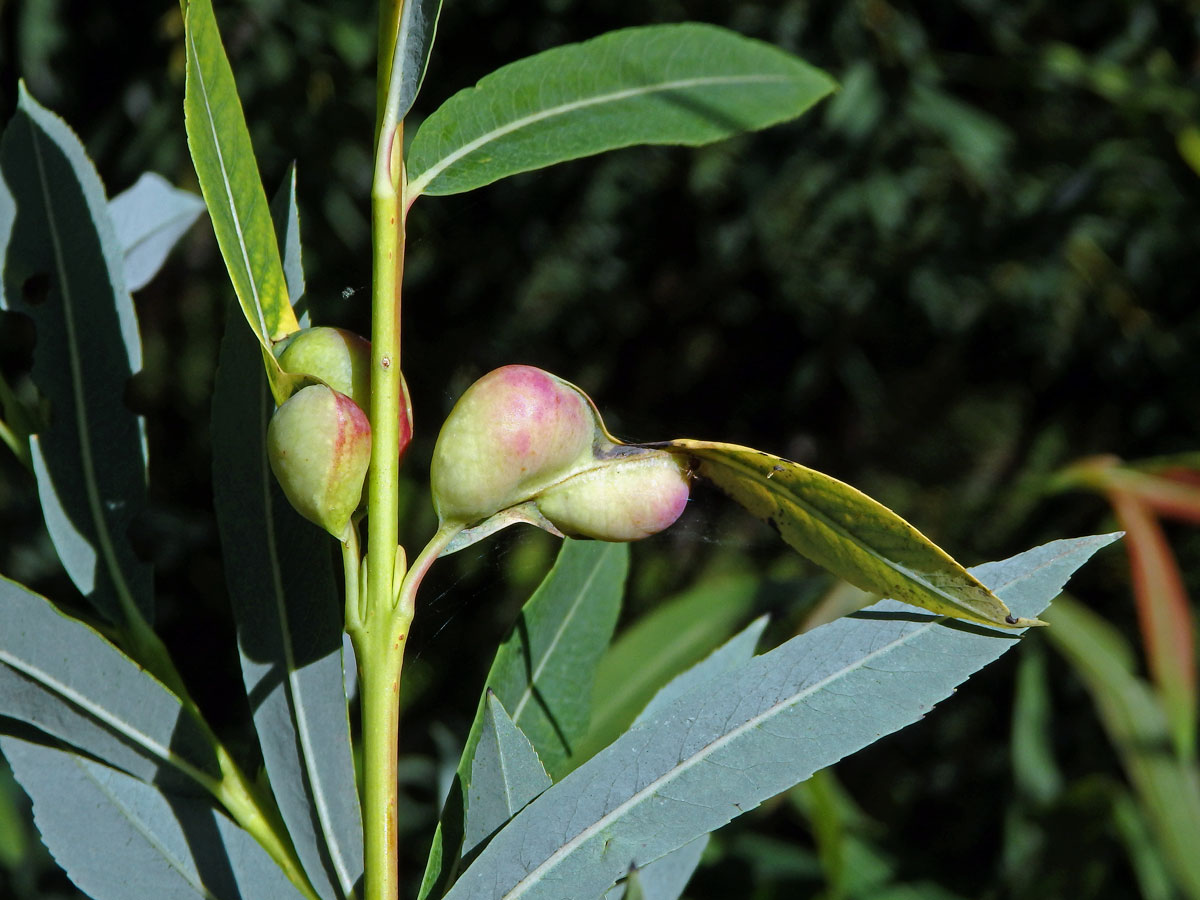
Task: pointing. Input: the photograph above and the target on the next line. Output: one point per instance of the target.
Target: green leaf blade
(544, 673)
(846, 532)
(505, 775)
(229, 179)
(117, 837)
(281, 584)
(685, 84)
(65, 269)
(724, 747)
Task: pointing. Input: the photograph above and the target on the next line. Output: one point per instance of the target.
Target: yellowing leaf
(228, 173)
(846, 532)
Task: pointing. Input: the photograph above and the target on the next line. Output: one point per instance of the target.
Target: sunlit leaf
(413, 43)
(673, 636)
(665, 878)
(65, 679)
(505, 775)
(727, 745)
(660, 84)
(285, 215)
(237, 204)
(543, 673)
(844, 530)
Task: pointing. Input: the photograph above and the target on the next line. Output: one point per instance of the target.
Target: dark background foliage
(970, 267)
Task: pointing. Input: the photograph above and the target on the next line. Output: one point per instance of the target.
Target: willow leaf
(505, 775)
(229, 179)
(725, 746)
(661, 84)
(848, 533)
(289, 622)
(119, 838)
(149, 219)
(63, 678)
(65, 269)
(415, 31)
(544, 672)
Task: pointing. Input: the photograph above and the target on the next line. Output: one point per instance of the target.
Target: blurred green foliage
(973, 265)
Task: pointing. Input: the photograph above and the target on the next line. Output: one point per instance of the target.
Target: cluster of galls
(319, 441)
(519, 438)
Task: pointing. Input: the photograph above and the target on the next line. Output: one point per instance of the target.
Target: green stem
(379, 645)
(380, 650)
(352, 569)
(407, 598)
(379, 638)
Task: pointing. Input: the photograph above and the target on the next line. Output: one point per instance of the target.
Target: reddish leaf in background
(1174, 493)
(1164, 614)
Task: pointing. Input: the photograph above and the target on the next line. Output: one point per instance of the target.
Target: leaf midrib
(214, 132)
(125, 598)
(147, 834)
(422, 181)
(99, 712)
(531, 879)
(297, 708)
(841, 530)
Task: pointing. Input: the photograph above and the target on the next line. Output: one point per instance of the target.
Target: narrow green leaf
(847, 532)
(117, 837)
(65, 679)
(1167, 789)
(64, 268)
(285, 216)
(414, 42)
(505, 775)
(658, 647)
(229, 179)
(149, 219)
(544, 673)
(660, 84)
(280, 578)
(726, 746)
